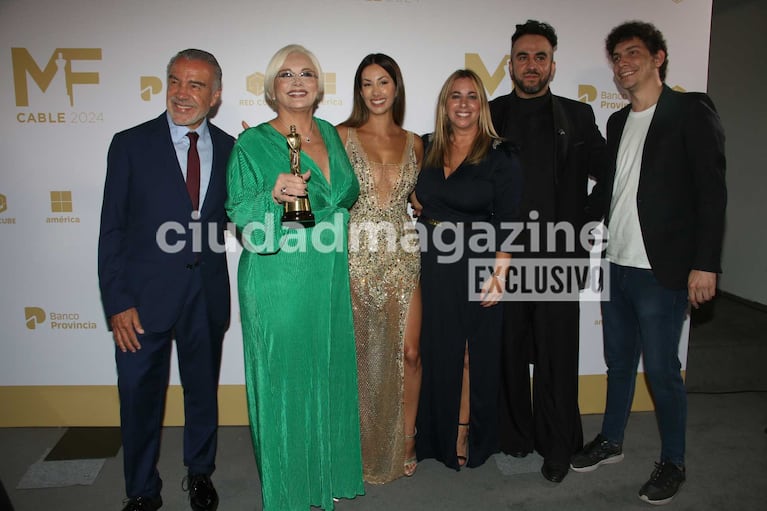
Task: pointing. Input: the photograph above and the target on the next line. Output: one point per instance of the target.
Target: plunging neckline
(363, 151)
(445, 177)
(375, 185)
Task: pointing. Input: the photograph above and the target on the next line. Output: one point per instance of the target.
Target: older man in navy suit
(163, 276)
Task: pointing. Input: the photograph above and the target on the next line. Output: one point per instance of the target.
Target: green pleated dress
(298, 334)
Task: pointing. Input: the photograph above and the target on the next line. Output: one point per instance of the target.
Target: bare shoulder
(343, 132)
(418, 147)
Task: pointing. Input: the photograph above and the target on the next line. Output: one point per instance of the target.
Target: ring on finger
(283, 190)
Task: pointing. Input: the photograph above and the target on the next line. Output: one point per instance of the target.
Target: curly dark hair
(647, 33)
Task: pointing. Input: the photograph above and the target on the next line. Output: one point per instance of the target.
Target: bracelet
(497, 276)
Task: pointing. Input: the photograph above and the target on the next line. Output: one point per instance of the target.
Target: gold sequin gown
(384, 267)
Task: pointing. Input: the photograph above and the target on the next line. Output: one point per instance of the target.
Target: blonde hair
(274, 66)
(443, 129)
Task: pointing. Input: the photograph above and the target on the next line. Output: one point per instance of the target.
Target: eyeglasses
(290, 75)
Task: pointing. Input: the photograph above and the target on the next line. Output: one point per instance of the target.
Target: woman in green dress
(295, 303)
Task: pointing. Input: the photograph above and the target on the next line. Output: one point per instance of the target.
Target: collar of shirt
(178, 133)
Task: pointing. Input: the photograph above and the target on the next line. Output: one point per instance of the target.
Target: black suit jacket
(579, 153)
(682, 193)
(144, 190)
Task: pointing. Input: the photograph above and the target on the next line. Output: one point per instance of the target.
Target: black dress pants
(545, 334)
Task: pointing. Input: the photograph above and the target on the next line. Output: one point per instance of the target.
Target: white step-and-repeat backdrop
(73, 73)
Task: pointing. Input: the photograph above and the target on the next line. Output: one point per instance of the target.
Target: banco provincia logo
(587, 93)
(33, 317)
(36, 316)
(607, 99)
(149, 86)
(614, 99)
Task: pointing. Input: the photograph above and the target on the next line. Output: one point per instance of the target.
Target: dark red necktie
(193, 170)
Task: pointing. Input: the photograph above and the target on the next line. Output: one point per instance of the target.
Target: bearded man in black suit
(560, 147)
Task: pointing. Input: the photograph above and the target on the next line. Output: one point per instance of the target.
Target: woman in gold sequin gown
(384, 269)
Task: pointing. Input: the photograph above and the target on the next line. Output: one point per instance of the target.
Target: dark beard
(535, 89)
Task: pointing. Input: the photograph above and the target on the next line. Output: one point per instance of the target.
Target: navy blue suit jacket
(682, 193)
(145, 190)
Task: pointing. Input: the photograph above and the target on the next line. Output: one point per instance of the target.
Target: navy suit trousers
(143, 379)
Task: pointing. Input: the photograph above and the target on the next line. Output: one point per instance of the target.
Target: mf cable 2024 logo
(57, 79)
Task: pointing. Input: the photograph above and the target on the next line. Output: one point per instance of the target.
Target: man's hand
(125, 325)
(701, 287)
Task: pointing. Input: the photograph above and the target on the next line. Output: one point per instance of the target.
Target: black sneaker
(143, 504)
(664, 483)
(599, 451)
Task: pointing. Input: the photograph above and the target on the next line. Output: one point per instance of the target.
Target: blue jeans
(644, 318)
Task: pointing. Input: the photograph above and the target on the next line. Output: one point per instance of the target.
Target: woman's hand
(492, 291)
(415, 205)
(494, 287)
(289, 186)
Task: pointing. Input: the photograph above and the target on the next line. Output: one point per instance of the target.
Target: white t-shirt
(625, 245)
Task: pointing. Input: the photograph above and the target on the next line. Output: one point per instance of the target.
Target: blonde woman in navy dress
(470, 183)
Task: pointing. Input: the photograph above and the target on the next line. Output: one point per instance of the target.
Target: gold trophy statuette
(299, 210)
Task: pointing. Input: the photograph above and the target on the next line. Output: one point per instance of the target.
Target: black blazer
(579, 153)
(144, 189)
(682, 193)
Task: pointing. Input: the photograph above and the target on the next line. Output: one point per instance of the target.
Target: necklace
(308, 137)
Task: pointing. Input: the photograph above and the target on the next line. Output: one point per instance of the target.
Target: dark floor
(726, 454)
(728, 347)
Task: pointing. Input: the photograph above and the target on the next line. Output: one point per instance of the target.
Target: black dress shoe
(202, 494)
(143, 504)
(554, 471)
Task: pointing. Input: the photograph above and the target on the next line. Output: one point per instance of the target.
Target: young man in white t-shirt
(664, 200)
